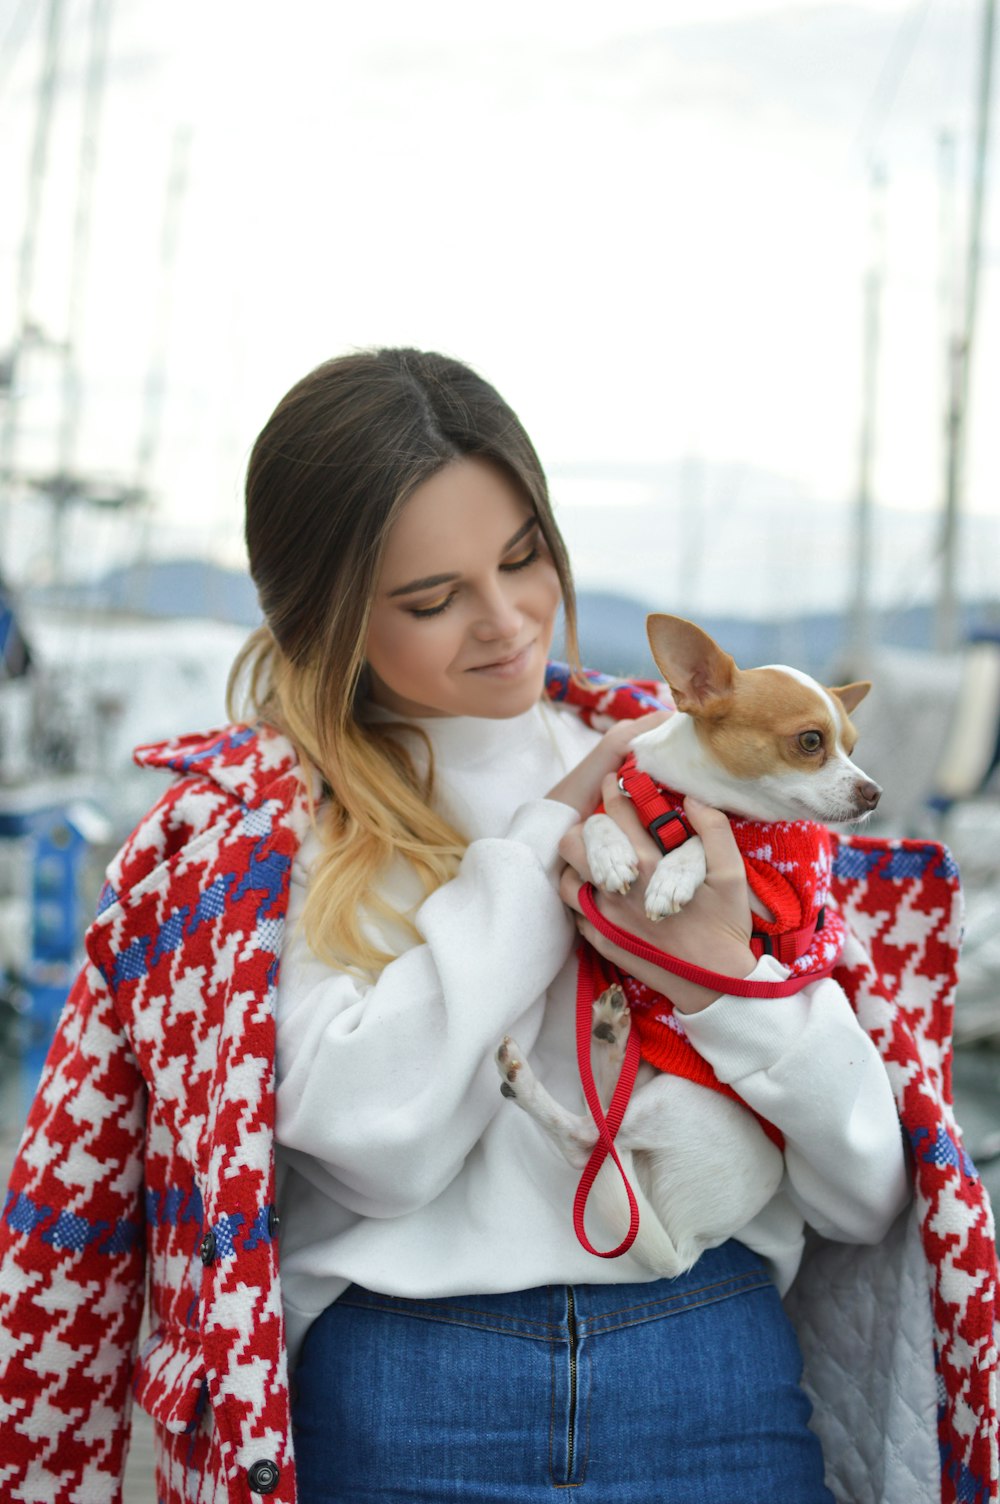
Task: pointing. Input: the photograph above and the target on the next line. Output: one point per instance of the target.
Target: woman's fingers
(570, 883)
(711, 930)
(579, 788)
(648, 722)
(722, 855)
(572, 850)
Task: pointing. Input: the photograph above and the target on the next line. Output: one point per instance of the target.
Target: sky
(648, 224)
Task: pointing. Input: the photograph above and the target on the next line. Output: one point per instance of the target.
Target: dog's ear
(851, 695)
(701, 676)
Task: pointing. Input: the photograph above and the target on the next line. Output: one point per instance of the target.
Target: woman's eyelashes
(523, 561)
(436, 607)
(433, 610)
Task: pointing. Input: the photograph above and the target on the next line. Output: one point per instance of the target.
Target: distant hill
(612, 631)
(612, 626)
(168, 587)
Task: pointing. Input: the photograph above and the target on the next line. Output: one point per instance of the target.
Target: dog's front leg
(573, 1135)
(613, 863)
(676, 879)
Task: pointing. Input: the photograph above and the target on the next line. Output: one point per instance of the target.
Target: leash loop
(591, 981)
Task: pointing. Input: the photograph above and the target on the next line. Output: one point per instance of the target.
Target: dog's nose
(869, 793)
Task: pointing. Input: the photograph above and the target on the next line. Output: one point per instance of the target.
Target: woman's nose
(498, 616)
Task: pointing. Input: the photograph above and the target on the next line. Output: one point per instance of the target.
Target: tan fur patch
(761, 722)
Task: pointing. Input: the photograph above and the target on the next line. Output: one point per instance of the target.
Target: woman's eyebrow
(429, 581)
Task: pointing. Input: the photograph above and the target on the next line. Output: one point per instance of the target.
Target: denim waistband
(546, 1312)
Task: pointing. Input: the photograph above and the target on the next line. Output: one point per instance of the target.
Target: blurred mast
(66, 486)
(151, 422)
(946, 625)
(860, 617)
(152, 413)
(860, 633)
(25, 330)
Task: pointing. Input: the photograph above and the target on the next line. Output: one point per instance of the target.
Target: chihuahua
(765, 745)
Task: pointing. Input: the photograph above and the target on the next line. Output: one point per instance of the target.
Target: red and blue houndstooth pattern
(149, 1146)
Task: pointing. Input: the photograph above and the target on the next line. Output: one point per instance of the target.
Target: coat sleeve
(72, 1262)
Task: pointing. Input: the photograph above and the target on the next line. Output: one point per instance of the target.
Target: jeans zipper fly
(571, 1429)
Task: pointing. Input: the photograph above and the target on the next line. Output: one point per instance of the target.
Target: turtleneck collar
(466, 739)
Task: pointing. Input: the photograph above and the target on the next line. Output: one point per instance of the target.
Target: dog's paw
(612, 1019)
(613, 864)
(668, 895)
(509, 1065)
(675, 880)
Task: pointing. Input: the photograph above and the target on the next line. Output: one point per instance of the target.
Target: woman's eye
(524, 561)
(436, 608)
(811, 741)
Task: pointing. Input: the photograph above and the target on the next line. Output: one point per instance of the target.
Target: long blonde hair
(329, 473)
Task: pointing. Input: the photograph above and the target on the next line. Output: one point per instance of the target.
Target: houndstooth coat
(148, 1155)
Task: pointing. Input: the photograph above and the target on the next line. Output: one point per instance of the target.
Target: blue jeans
(683, 1391)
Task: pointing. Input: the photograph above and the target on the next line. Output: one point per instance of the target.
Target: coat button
(273, 1221)
(263, 1477)
(207, 1249)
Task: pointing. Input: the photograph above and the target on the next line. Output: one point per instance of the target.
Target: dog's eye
(811, 741)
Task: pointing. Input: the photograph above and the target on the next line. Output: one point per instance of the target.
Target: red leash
(591, 982)
(592, 979)
(734, 986)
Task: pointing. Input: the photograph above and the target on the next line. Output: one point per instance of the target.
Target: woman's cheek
(554, 597)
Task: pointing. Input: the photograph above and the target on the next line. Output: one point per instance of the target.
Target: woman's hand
(712, 931)
(581, 788)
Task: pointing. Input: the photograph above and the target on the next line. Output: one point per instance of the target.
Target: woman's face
(466, 600)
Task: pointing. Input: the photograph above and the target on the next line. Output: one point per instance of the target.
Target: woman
(448, 1336)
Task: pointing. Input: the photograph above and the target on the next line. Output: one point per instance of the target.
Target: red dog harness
(788, 866)
(799, 915)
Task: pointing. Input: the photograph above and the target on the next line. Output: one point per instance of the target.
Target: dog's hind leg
(574, 1135)
(612, 1022)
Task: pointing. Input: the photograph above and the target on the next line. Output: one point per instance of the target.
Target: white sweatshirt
(400, 1165)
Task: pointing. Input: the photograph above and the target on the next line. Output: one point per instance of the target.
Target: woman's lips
(506, 668)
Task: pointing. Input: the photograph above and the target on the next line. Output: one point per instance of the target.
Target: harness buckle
(677, 837)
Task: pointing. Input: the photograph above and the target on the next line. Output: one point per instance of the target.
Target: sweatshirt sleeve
(387, 1087)
(807, 1066)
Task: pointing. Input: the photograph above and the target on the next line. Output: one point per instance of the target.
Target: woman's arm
(806, 1065)
(390, 1085)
